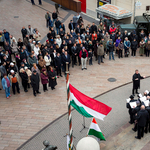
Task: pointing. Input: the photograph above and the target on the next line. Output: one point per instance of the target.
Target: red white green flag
(87, 106)
(95, 130)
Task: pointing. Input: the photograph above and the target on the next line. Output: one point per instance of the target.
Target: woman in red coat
(44, 79)
(94, 35)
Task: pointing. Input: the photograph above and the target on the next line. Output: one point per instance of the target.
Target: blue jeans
(54, 21)
(57, 29)
(111, 54)
(7, 91)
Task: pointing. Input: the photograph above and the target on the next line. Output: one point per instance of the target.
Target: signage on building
(114, 11)
(101, 3)
(138, 4)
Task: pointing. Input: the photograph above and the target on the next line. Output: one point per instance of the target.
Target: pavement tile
(24, 115)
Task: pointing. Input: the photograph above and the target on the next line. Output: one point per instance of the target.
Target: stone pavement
(115, 127)
(24, 115)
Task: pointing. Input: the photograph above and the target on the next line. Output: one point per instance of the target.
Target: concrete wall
(91, 5)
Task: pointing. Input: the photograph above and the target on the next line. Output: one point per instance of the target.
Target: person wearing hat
(24, 78)
(83, 56)
(6, 84)
(12, 67)
(35, 80)
(29, 73)
(130, 109)
(14, 81)
(26, 64)
(100, 53)
(136, 81)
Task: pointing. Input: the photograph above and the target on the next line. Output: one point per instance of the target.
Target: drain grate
(16, 16)
(112, 79)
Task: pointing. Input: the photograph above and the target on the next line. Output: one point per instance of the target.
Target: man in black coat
(35, 80)
(93, 28)
(24, 32)
(70, 26)
(66, 60)
(54, 16)
(130, 109)
(57, 24)
(134, 112)
(141, 117)
(53, 33)
(136, 81)
(74, 51)
(77, 29)
(134, 46)
(58, 63)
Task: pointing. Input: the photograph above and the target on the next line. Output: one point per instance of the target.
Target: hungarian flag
(95, 130)
(87, 106)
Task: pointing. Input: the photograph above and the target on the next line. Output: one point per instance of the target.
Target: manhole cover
(111, 79)
(16, 16)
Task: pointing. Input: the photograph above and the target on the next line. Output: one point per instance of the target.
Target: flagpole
(89, 127)
(69, 108)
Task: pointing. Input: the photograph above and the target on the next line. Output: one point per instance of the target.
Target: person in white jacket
(36, 49)
(58, 40)
(47, 59)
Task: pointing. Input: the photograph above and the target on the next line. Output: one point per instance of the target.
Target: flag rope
(69, 112)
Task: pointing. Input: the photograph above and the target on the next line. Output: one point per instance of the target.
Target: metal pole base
(84, 127)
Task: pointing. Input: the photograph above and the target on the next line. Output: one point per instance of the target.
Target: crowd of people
(139, 111)
(28, 57)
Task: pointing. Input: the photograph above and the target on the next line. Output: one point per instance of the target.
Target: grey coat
(100, 50)
(2, 70)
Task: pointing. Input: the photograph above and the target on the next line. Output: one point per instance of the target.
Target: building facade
(137, 7)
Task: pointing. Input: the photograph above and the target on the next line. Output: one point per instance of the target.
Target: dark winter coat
(35, 81)
(24, 77)
(23, 55)
(58, 61)
(136, 83)
(134, 45)
(142, 117)
(52, 82)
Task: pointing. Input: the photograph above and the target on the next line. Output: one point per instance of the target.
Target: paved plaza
(23, 115)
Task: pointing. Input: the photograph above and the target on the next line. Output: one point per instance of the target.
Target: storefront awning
(114, 11)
